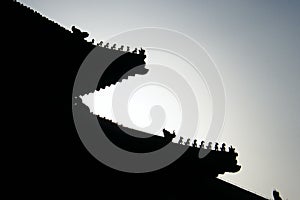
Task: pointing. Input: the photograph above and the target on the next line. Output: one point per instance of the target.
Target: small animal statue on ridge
(216, 146)
(142, 51)
(209, 145)
(100, 43)
(187, 142)
(107, 45)
(202, 145)
(231, 149)
(113, 46)
(168, 135)
(195, 143)
(223, 148)
(78, 33)
(180, 140)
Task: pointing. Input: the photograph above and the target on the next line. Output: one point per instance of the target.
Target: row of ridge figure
(169, 135)
(195, 145)
(80, 34)
(114, 46)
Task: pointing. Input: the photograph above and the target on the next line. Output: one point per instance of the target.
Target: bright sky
(255, 45)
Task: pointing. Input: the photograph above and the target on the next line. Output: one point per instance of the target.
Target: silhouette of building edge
(41, 62)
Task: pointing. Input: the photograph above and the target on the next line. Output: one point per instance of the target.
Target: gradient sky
(256, 47)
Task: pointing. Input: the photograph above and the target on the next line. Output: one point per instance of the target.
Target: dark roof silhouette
(42, 62)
